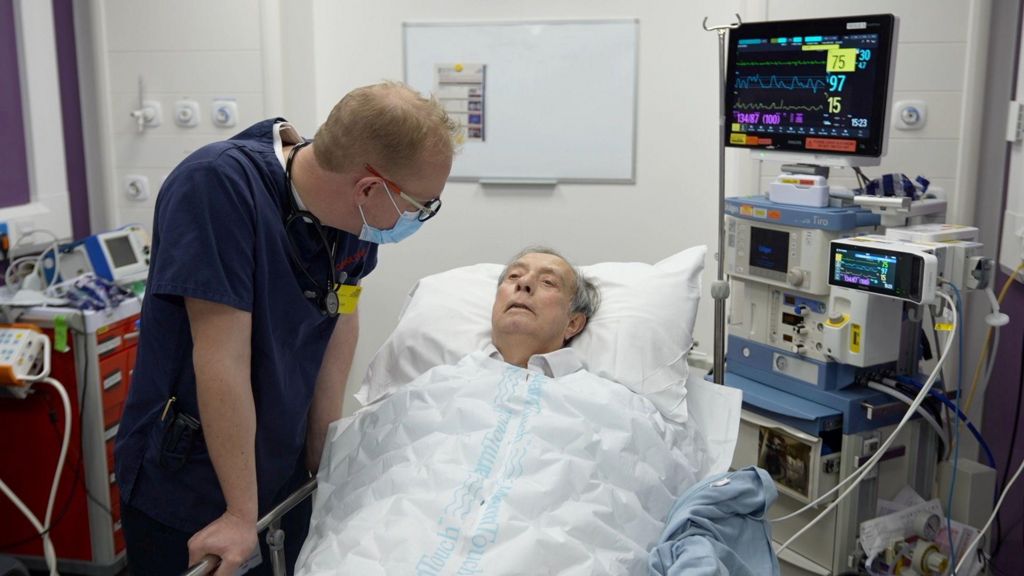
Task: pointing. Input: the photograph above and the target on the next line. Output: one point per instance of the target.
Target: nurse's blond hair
(387, 125)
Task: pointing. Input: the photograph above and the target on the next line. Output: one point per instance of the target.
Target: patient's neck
(518, 351)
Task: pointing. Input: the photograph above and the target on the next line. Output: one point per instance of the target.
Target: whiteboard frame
(484, 180)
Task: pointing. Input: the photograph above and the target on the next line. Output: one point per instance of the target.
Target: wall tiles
(182, 25)
(156, 151)
(192, 71)
(920, 20)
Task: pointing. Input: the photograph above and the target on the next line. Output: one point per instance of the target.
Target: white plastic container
(799, 190)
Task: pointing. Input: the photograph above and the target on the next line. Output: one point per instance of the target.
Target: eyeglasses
(427, 211)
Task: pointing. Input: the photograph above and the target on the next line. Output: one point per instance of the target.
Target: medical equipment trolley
(93, 356)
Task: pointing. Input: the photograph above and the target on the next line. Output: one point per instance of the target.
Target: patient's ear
(576, 323)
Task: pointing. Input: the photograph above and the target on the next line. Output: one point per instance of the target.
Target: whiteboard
(559, 96)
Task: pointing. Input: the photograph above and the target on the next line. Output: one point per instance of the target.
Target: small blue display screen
(769, 249)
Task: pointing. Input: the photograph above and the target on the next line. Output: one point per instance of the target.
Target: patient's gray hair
(585, 300)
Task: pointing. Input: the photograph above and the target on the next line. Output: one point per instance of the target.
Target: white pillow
(639, 336)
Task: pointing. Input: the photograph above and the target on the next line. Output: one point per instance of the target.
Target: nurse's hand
(231, 538)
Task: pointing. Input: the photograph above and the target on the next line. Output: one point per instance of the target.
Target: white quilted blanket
(484, 468)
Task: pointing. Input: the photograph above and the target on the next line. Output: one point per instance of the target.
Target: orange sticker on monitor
(831, 144)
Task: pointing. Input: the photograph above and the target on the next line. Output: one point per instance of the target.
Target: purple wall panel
(14, 185)
(1002, 400)
(71, 111)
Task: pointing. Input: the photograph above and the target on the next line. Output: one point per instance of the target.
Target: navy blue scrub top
(219, 235)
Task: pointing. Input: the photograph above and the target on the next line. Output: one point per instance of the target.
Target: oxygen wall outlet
(136, 187)
(910, 114)
(225, 113)
(186, 113)
(152, 113)
(149, 115)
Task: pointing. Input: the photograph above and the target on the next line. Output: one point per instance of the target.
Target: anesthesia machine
(832, 289)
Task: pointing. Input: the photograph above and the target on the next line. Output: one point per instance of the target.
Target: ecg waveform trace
(780, 105)
(812, 83)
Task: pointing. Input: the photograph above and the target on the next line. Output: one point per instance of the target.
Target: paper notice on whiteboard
(460, 89)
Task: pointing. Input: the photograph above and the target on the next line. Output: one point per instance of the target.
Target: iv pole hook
(722, 28)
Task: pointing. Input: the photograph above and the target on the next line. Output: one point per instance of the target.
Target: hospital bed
(640, 339)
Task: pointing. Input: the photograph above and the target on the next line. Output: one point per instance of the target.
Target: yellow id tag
(348, 297)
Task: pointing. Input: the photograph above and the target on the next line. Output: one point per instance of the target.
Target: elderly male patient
(515, 460)
(542, 303)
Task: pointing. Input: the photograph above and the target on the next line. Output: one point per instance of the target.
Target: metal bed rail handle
(275, 538)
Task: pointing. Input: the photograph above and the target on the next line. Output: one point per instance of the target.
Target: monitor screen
(769, 249)
(120, 250)
(814, 86)
(892, 273)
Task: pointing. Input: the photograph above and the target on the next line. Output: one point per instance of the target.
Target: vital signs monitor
(882, 266)
(819, 86)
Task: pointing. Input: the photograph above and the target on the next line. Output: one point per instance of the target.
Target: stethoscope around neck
(326, 297)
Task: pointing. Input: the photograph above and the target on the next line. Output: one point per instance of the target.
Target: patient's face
(533, 304)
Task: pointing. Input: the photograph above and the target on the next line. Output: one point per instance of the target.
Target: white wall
(183, 49)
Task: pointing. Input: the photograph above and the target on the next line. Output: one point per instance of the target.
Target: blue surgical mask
(407, 225)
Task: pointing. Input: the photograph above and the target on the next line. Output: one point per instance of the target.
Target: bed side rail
(275, 536)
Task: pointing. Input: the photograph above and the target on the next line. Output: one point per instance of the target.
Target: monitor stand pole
(720, 288)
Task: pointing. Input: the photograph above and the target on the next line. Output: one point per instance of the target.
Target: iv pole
(720, 288)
